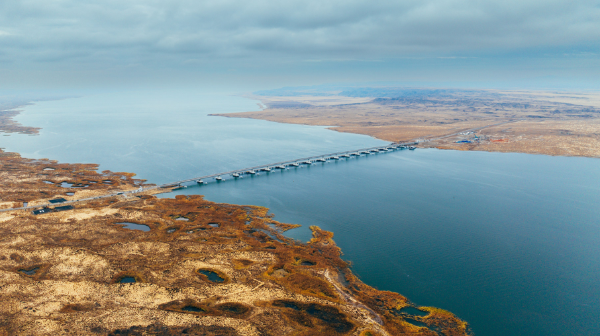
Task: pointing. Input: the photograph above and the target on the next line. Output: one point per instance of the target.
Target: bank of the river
(132, 265)
(481, 234)
(506, 241)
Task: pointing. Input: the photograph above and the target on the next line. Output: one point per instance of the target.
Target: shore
(537, 122)
(198, 268)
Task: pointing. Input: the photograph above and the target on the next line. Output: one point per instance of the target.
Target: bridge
(239, 173)
(290, 163)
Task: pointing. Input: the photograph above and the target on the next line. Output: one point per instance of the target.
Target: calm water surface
(165, 136)
(508, 242)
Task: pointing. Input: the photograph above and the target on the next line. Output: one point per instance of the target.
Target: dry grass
(60, 272)
(548, 122)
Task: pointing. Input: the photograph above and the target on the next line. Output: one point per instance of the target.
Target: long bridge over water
(256, 170)
(290, 163)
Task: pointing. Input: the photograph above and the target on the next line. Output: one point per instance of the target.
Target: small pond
(32, 271)
(212, 276)
(192, 309)
(134, 226)
(127, 279)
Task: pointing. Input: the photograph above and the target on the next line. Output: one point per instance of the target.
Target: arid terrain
(553, 123)
(189, 266)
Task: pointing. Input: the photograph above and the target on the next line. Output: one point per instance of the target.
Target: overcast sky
(297, 42)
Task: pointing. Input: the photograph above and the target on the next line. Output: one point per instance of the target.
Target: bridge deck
(240, 171)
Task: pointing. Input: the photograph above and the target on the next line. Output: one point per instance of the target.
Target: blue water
(166, 136)
(508, 242)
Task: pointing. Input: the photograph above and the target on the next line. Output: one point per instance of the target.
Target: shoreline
(289, 274)
(534, 129)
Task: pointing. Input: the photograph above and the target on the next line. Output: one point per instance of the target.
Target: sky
(263, 44)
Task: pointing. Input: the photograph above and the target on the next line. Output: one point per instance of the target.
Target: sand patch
(87, 213)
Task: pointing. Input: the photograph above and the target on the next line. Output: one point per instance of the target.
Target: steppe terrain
(554, 123)
(199, 268)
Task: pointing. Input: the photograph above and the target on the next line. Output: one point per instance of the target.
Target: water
(193, 309)
(508, 242)
(212, 276)
(167, 136)
(127, 279)
(134, 226)
(32, 271)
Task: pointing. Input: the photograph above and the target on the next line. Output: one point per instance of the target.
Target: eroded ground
(199, 268)
(553, 123)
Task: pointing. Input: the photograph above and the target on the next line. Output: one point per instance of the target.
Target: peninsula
(536, 122)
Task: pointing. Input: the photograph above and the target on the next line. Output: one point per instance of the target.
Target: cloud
(184, 29)
(192, 33)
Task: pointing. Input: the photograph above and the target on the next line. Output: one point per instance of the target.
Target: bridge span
(235, 173)
(290, 163)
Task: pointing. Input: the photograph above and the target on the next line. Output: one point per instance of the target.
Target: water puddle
(70, 193)
(307, 263)
(107, 182)
(48, 182)
(32, 271)
(73, 185)
(127, 279)
(214, 224)
(49, 168)
(193, 309)
(134, 226)
(182, 219)
(413, 311)
(212, 276)
(329, 316)
(171, 230)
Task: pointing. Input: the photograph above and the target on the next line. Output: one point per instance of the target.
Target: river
(508, 242)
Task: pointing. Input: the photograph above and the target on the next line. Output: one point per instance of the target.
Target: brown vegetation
(64, 272)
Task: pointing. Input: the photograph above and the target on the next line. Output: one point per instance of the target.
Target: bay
(508, 242)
